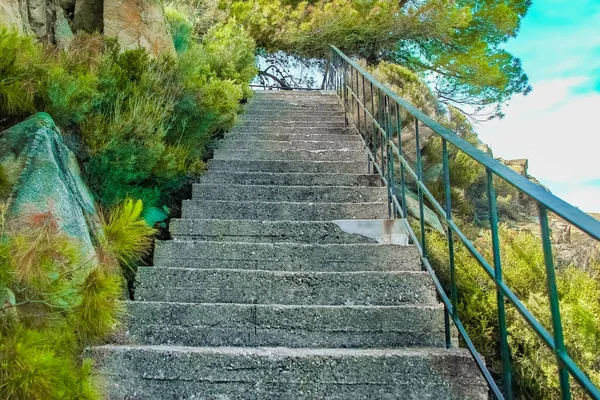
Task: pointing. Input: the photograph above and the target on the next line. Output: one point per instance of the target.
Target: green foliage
(34, 366)
(126, 233)
(20, 66)
(523, 270)
(180, 27)
(5, 183)
(53, 302)
(458, 44)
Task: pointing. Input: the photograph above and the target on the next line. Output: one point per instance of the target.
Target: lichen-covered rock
(138, 23)
(49, 180)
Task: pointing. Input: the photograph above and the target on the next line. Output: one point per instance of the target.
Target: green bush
(534, 365)
(53, 303)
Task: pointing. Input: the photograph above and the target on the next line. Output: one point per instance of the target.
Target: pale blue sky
(557, 126)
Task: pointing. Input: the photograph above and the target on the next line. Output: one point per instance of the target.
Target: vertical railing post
(373, 126)
(559, 340)
(402, 182)
(504, 349)
(419, 190)
(448, 209)
(358, 102)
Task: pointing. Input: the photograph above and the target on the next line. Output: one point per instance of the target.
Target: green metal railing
(376, 114)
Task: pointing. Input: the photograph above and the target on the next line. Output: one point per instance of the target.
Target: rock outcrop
(48, 180)
(138, 23)
(135, 23)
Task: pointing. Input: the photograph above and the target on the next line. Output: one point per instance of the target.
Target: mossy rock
(48, 179)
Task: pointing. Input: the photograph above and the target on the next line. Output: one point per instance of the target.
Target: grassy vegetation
(140, 127)
(523, 269)
(53, 302)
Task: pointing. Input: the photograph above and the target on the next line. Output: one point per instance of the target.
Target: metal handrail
(343, 76)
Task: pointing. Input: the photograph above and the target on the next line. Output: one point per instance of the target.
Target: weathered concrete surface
(245, 165)
(192, 285)
(342, 154)
(291, 144)
(164, 372)
(282, 210)
(286, 256)
(49, 180)
(290, 179)
(312, 137)
(188, 324)
(343, 194)
(267, 231)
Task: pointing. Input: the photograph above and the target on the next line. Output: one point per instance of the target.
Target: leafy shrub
(53, 303)
(523, 268)
(180, 27)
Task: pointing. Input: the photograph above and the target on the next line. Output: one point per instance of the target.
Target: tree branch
(281, 82)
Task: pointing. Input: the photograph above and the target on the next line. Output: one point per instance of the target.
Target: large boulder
(138, 23)
(48, 180)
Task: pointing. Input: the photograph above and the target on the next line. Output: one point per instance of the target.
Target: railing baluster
(402, 181)
(448, 201)
(557, 330)
(504, 349)
(373, 127)
(419, 190)
(358, 103)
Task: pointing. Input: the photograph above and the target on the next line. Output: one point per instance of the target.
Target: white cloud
(560, 135)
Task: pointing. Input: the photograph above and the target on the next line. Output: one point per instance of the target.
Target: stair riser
(269, 231)
(288, 129)
(286, 256)
(300, 155)
(280, 166)
(283, 211)
(265, 287)
(290, 145)
(275, 118)
(294, 113)
(292, 326)
(164, 374)
(285, 137)
(340, 194)
(290, 179)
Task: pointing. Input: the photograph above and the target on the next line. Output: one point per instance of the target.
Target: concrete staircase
(284, 280)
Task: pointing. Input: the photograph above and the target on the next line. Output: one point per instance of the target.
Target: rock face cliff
(135, 23)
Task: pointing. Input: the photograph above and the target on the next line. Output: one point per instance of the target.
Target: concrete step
(342, 154)
(323, 232)
(339, 194)
(279, 373)
(315, 137)
(259, 128)
(286, 166)
(246, 143)
(257, 124)
(193, 285)
(188, 324)
(306, 118)
(264, 108)
(290, 179)
(292, 112)
(286, 256)
(272, 211)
